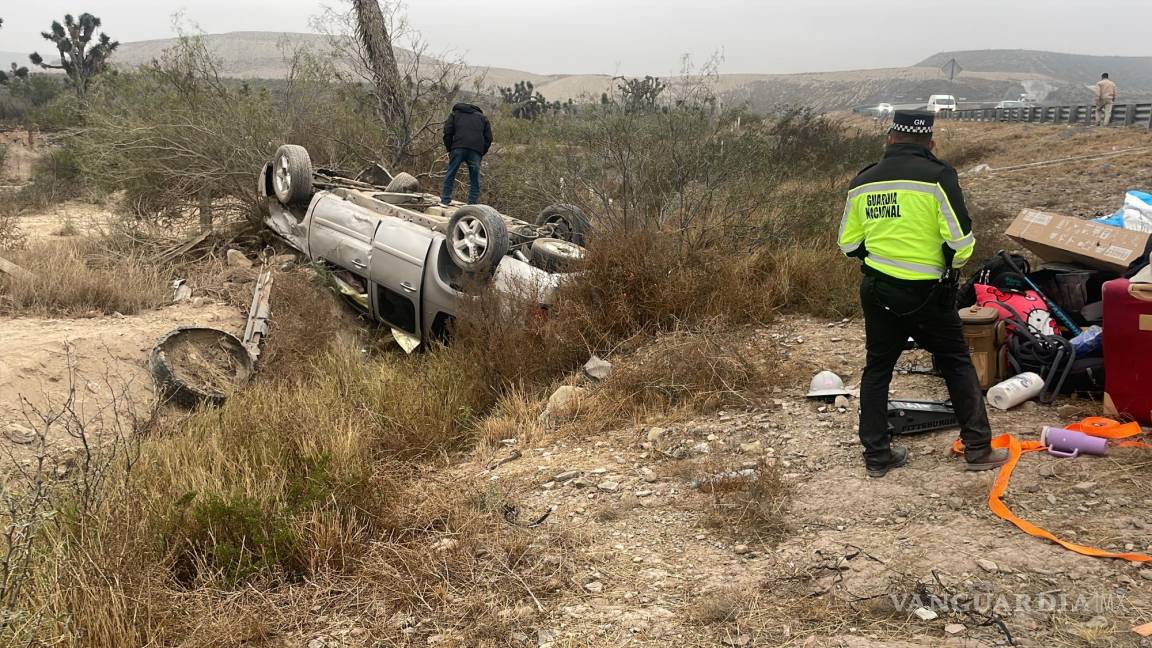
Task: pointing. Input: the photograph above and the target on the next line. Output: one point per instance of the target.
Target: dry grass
(757, 505)
(701, 370)
(82, 277)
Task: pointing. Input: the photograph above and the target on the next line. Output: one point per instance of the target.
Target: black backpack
(996, 272)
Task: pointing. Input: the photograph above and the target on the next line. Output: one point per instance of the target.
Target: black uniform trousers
(895, 310)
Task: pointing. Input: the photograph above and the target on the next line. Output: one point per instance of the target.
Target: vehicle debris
(181, 291)
(258, 315)
(194, 365)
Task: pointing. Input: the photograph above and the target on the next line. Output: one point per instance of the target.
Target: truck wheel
(477, 238)
(292, 174)
(569, 223)
(556, 255)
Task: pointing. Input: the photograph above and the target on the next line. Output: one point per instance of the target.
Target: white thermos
(1015, 390)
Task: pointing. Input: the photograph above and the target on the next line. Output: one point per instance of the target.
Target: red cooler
(1128, 349)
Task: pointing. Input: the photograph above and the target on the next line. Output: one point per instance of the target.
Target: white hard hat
(827, 383)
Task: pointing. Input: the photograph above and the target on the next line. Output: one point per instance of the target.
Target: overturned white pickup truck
(401, 256)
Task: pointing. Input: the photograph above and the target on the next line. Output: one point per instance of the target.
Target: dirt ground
(103, 359)
(856, 546)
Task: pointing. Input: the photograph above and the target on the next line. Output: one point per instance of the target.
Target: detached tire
(292, 174)
(569, 223)
(477, 239)
(556, 255)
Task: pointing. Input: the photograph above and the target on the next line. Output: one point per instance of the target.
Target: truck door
(399, 253)
(341, 234)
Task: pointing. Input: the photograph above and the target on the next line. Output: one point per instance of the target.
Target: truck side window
(396, 309)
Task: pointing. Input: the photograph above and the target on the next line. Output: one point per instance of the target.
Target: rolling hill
(989, 75)
(264, 55)
(1132, 72)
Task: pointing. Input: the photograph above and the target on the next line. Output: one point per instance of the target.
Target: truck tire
(292, 175)
(477, 239)
(569, 223)
(556, 255)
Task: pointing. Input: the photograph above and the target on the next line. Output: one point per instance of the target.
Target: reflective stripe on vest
(932, 271)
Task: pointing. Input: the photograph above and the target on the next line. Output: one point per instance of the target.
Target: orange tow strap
(1100, 427)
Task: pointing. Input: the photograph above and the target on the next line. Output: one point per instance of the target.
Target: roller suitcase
(1128, 349)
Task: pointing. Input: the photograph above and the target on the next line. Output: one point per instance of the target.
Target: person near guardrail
(467, 137)
(1105, 99)
(905, 219)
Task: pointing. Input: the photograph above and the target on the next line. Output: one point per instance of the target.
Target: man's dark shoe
(990, 459)
(897, 457)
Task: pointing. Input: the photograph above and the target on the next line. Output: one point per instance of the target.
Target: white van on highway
(936, 103)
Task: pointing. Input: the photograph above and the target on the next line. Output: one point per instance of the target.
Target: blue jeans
(460, 156)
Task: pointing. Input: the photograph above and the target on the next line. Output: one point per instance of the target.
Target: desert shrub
(82, 277)
(3, 156)
(701, 369)
(39, 100)
(758, 505)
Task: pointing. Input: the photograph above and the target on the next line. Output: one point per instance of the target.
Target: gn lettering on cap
(913, 121)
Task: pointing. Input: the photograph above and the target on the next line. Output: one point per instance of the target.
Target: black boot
(897, 457)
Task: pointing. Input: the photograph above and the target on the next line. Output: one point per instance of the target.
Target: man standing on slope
(905, 219)
(467, 136)
(1105, 99)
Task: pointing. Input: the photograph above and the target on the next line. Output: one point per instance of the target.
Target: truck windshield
(945, 101)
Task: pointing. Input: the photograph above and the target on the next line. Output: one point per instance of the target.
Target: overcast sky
(649, 36)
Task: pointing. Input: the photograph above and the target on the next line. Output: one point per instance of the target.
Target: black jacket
(467, 128)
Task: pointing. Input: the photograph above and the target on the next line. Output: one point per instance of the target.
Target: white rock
(563, 403)
(595, 587)
(753, 448)
(988, 565)
(656, 434)
(954, 628)
(924, 614)
(20, 434)
(609, 486)
(597, 368)
(842, 402)
(236, 259)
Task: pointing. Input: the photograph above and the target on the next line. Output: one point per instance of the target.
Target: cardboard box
(1057, 238)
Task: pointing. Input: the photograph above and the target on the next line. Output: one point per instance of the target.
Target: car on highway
(405, 259)
(884, 110)
(1011, 103)
(938, 103)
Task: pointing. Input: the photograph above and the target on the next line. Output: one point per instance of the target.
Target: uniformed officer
(906, 221)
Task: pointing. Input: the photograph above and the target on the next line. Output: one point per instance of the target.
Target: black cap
(915, 122)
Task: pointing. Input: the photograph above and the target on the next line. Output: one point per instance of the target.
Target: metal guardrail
(1133, 114)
